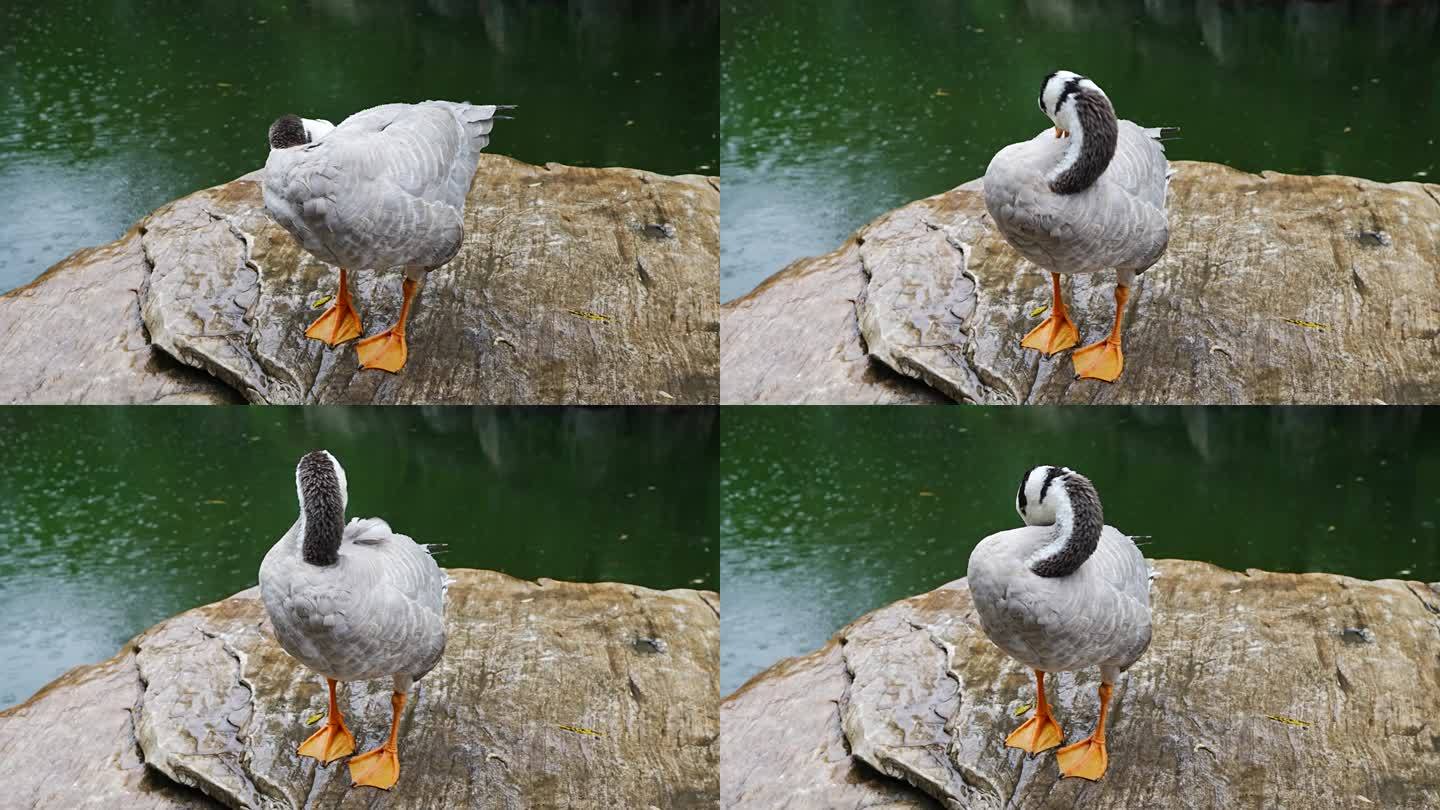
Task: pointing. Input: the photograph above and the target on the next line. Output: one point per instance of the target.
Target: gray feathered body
(1117, 222)
(385, 188)
(378, 612)
(1097, 616)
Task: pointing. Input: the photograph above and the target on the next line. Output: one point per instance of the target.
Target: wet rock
(559, 295)
(1245, 679)
(541, 700)
(74, 336)
(1266, 295)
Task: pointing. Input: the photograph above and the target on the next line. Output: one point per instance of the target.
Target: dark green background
(827, 513)
(112, 519)
(111, 108)
(831, 112)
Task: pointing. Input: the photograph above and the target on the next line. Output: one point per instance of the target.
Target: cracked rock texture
(909, 706)
(1275, 289)
(574, 285)
(550, 694)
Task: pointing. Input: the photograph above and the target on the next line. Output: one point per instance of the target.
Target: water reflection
(114, 518)
(815, 531)
(115, 108)
(835, 111)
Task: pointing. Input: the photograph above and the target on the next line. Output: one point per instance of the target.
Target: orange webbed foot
(336, 325)
(330, 743)
(1086, 759)
(1039, 733)
(1100, 361)
(385, 351)
(379, 768)
(1054, 334)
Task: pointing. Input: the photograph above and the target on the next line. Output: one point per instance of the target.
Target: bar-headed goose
(353, 602)
(1063, 593)
(1091, 197)
(385, 189)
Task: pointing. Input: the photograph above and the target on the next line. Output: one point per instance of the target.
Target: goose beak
(1062, 133)
(1058, 131)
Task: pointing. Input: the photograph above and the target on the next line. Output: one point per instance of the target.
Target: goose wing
(399, 624)
(1119, 222)
(386, 188)
(1099, 615)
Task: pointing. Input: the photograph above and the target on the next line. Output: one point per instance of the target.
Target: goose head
(1066, 500)
(292, 130)
(321, 487)
(1081, 111)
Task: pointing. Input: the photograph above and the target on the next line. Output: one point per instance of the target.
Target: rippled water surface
(112, 519)
(827, 513)
(835, 111)
(111, 108)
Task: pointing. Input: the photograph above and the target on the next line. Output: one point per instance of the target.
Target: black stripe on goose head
(1044, 83)
(1098, 132)
(288, 131)
(1071, 88)
(322, 504)
(1078, 528)
(1050, 475)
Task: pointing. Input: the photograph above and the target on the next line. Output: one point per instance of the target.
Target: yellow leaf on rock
(1289, 721)
(1038, 311)
(589, 732)
(322, 302)
(1022, 709)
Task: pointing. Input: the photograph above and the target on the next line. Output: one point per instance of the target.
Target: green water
(835, 111)
(827, 513)
(112, 519)
(112, 108)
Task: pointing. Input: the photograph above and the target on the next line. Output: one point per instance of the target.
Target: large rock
(574, 285)
(1275, 289)
(550, 694)
(74, 335)
(1258, 690)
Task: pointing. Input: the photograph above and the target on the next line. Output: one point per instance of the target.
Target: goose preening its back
(384, 189)
(1089, 198)
(353, 602)
(1064, 592)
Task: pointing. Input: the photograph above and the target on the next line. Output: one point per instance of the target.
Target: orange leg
(1057, 332)
(386, 351)
(339, 323)
(1104, 360)
(333, 740)
(1086, 759)
(381, 767)
(1041, 732)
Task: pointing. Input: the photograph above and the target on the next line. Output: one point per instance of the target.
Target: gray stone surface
(574, 285)
(1275, 289)
(914, 691)
(550, 694)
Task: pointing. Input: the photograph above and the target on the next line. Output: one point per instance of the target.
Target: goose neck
(1094, 133)
(322, 512)
(1076, 531)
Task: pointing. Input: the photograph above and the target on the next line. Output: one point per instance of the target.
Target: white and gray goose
(1064, 592)
(353, 602)
(1090, 198)
(385, 189)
